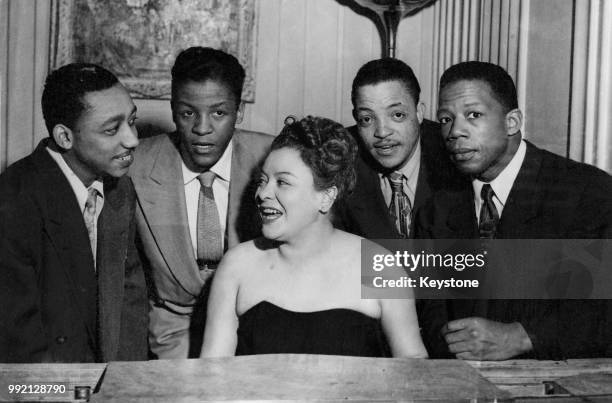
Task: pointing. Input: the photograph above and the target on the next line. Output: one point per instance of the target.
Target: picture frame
(138, 40)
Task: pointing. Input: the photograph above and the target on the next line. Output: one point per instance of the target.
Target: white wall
(308, 52)
(307, 55)
(549, 74)
(24, 35)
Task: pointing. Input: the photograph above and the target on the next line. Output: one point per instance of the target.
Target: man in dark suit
(393, 137)
(71, 284)
(518, 191)
(394, 140)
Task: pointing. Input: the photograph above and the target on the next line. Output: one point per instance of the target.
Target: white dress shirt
(502, 184)
(410, 170)
(220, 190)
(79, 189)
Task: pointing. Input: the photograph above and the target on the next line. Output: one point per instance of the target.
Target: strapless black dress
(269, 329)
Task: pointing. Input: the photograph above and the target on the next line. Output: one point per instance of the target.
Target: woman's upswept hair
(326, 147)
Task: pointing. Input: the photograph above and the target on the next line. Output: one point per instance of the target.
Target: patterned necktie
(210, 243)
(488, 213)
(89, 215)
(400, 207)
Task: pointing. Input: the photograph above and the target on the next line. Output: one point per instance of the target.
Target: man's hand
(483, 339)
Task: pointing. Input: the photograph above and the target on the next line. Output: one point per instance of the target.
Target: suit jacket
(365, 212)
(164, 234)
(555, 198)
(55, 306)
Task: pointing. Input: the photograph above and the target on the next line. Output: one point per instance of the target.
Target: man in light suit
(518, 191)
(71, 284)
(168, 176)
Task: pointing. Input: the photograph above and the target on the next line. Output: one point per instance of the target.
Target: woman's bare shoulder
(245, 256)
(347, 239)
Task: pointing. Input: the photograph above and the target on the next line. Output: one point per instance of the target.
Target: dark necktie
(89, 215)
(400, 207)
(488, 213)
(209, 243)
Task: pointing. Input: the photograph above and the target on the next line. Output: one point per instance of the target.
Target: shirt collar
(222, 168)
(502, 184)
(410, 170)
(76, 184)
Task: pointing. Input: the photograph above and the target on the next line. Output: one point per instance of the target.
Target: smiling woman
(298, 289)
(320, 156)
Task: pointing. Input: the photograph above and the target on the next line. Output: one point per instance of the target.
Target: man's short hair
(65, 89)
(200, 64)
(384, 70)
(499, 80)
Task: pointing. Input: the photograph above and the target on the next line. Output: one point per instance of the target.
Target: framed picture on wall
(138, 40)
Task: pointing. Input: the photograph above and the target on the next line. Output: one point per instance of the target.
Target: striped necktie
(489, 217)
(400, 208)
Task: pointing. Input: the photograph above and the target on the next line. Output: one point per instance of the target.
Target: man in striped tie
(402, 162)
(402, 156)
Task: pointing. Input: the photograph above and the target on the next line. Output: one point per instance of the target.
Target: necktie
(89, 215)
(400, 207)
(209, 243)
(488, 213)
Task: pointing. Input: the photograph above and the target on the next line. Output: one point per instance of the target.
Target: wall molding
(485, 30)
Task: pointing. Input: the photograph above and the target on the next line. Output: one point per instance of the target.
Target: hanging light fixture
(390, 13)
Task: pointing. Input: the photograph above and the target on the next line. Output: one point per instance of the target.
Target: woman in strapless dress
(298, 288)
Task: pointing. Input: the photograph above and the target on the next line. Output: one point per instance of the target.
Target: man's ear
(240, 113)
(514, 121)
(63, 137)
(420, 110)
(329, 197)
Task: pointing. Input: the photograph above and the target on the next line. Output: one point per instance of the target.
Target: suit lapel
(112, 253)
(524, 198)
(243, 222)
(461, 215)
(368, 203)
(426, 173)
(239, 180)
(66, 230)
(423, 190)
(162, 198)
